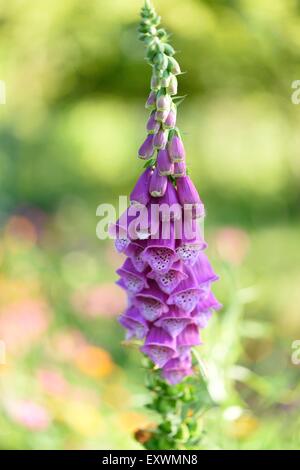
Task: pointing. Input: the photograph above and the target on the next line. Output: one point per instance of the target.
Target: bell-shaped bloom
(170, 122)
(188, 196)
(151, 101)
(146, 150)
(176, 369)
(160, 139)
(135, 251)
(169, 280)
(174, 321)
(159, 346)
(179, 169)
(203, 271)
(188, 338)
(166, 275)
(131, 280)
(204, 309)
(134, 323)
(160, 253)
(152, 125)
(191, 243)
(176, 149)
(140, 193)
(186, 295)
(151, 302)
(164, 165)
(158, 184)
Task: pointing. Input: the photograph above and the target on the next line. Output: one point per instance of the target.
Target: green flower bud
(174, 66)
(165, 81)
(173, 85)
(155, 82)
(169, 50)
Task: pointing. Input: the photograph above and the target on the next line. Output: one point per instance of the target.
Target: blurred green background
(74, 118)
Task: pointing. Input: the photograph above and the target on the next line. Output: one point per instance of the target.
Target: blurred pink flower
(232, 244)
(29, 414)
(53, 382)
(67, 344)
(23, 322)
(106, 299)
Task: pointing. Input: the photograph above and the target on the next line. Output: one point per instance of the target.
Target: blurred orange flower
(94, 361)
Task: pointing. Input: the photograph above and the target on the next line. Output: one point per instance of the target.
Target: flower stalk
(167, 277)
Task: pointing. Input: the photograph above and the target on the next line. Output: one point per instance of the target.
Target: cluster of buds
(166, 274)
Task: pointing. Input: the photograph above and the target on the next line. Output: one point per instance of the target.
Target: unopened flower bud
(161, 139)
(170, 122)
(152, 125)
(146, 149)
(173, 85)
(176, 149)
(174, 66)
(163, 102)
(155, 82)
(161, 116)
(151, 101)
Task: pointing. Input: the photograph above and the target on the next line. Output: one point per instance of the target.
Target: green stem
(179, 408)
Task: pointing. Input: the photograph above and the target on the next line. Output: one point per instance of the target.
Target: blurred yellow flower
(81, 417)
(243, 427)
(94, 361)
(130, 421)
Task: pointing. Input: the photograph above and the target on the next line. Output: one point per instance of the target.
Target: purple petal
(188, 338)
(176, 369)
(160, 254)
(151, 303)
(134, 323)
(168, 281)
(174, 321)
(133, 281)
(134, 250)
(159, 346)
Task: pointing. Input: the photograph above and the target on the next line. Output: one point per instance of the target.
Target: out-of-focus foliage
(74, 117)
